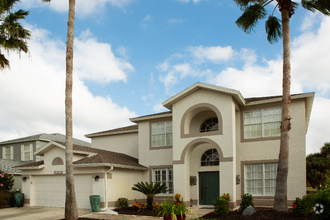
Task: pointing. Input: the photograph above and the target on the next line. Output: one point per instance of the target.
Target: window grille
(210, 124)
(210, 158)
(164, 176)
(161, 134)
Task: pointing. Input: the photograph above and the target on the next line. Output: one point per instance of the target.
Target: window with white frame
(161, 134)
(260, 179)
(38, 158)
(164, 176)
(8, 153)
(26, 152)
(210, 158)
(262, 123)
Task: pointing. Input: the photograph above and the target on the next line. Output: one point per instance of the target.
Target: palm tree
(13, 37)
(71, 209)
(253, 11)
(150, 190)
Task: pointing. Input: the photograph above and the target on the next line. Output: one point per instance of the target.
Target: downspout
(106, 186)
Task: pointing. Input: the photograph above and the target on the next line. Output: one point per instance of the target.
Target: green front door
(209, 186)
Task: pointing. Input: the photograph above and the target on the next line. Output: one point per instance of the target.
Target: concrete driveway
(36, 213)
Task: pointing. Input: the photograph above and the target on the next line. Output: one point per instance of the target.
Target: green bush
(247, 200)
(6, 181)
(302, 207)
(122, 202)
(321, 202)
(220, 206)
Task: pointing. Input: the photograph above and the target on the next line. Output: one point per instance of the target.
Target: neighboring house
(212, 141)
(21, 151)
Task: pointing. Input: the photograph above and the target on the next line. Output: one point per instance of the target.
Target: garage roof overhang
(109, 165)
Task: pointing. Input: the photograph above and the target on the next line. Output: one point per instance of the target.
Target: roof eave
(109, 164)
(150, 117)
(110, 133)
(30, 168)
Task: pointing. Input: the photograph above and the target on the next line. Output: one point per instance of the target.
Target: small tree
(6, 184)
(150, 190)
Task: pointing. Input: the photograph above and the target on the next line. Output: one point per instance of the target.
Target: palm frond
(4, 63)
(243, 4)
(322, 6)
(273, 29)
(250, 17)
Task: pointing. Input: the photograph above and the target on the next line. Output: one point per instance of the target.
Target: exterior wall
(268, 150)
(182, 141)
(156, 156)
(121, 143)
(120, 185)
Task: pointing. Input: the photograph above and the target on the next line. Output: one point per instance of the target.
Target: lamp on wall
(96, 178)
(238, 179)
(24, 179)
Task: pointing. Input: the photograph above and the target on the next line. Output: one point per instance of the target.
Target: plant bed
(262, 213)
(135, 211)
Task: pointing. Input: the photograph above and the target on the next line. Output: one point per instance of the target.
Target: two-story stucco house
(211, 141)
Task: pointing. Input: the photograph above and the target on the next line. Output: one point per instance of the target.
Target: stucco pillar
(228, 180)
(181, 180)
(28, 190)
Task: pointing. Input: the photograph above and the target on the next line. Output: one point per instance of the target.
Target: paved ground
(47, 213)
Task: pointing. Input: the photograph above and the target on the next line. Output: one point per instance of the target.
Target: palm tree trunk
(280, 202)
(71, 210)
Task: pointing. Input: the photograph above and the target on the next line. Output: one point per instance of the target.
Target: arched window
(57, 161)
(210, 124)
(210, 158)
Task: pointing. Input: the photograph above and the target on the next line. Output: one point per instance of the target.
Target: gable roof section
(123, 130)
(46, 137)
(31, 166)
(96, 157)
(236, 94)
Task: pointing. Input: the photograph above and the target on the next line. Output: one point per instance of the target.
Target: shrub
(226, 196)
(302, 207)
(177, 197)
(4, 197)
(6, 181)
(247, 200)
(220, 206)
(156, 207)
(321, 202)
(139, 205)
(122, 202)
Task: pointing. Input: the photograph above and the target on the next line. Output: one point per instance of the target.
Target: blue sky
(131, 55)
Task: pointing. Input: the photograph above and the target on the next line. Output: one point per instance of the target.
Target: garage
(50, 190)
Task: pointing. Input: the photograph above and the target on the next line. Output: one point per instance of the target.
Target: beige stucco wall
(121, 143)
(269, 150)
(151, 157)
(121, 183)
(225, 141)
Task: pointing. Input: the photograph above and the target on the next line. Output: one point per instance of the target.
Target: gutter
(106, 188)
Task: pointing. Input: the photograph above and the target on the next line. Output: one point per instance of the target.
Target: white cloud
(145, 21)
(83, 7)
(95, 61)
(215, 54)
(33, 93)
(175, 21)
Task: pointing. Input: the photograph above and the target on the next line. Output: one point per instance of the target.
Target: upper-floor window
(262, 123)
(210, 124)
(164, 176)
(26, 152)
(210, 158)
(8, 153)
(260, 179)
(161, 134)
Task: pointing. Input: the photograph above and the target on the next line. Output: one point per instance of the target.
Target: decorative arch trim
(205, 106)
(57, 161)
(195, 143)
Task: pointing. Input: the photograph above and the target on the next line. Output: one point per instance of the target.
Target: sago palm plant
(150, 190)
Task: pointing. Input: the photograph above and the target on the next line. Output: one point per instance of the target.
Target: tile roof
(46, 137)
(255, 99)
(33, 164)
(7, 166)
(152, 116)
(99, 157)
(122, 130)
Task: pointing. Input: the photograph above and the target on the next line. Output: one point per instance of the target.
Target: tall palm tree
(150, 190)
(71, 209)
(13, 37)
(253, 11)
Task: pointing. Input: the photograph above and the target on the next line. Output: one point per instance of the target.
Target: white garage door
(50, 190)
